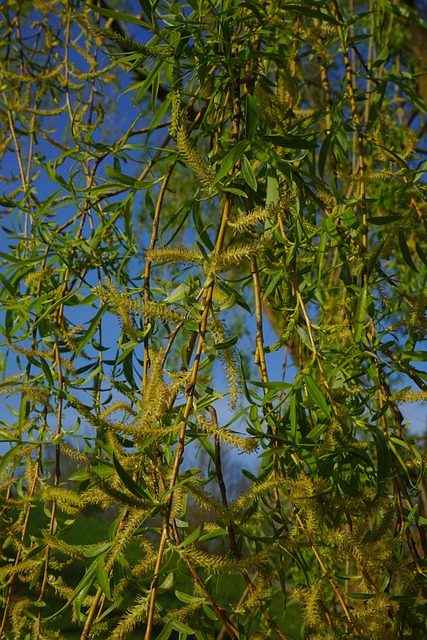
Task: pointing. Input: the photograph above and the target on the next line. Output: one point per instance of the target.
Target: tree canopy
(213, 300)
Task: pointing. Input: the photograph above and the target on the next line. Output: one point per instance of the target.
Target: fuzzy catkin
(192, 158)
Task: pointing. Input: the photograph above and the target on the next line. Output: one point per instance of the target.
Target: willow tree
(178, 178)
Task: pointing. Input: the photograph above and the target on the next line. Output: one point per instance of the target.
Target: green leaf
(304, 10)
(360, 315)
(383, 459)
(79, 593)
(379, 220)
(289, 142)
(53, 175)
(350, 219)
(129, 482)
(323, 153)
(181, 627)
(147, 8)
(293, 418)
(237, 192)
(180, 293)
(251, 117)
(209, 613)
(9, 456)
(167, 583)
(102, 577)
(47, 372)
(97, 549)
(382, 57)
(316, 395)
(317, 431)
(127, 361)
(213, 535)
(127, 216)
(103, 471)
(273, 284)
(165, 632)
(118, 177)
(144, 86)
(159, 115)
(374, 259)
(303, 334)
(7, 285)
(240, 300)
(272, 186)
(405, 251)
(276, 386)
(187, 598)
(91, 330)
(230, 160)
(415, 355)
(422, 255)
(248, 173)
(116, 15)
(226, 344)
(193, 537)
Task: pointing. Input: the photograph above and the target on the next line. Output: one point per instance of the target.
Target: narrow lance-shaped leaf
(316, 395)
(230, 160)
(129, 482)
(360, 315)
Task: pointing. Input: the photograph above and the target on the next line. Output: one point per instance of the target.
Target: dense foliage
(178, 178)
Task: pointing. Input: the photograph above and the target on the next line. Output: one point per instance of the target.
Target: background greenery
(213, 265)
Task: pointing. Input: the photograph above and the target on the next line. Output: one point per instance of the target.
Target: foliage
(176, 176)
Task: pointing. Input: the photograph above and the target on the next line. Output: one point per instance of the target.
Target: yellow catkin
(192, 158)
